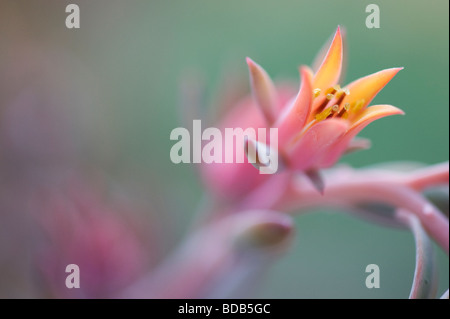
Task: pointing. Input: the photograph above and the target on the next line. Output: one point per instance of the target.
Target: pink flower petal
(293, 118)
(263, 89)
(316, 140)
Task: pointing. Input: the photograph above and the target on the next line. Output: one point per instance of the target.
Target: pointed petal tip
(304, 69)
(393, 110)
(306, 74)
(368, 87)
(251, 63)
(263, 89)
(330, 69)
(316, 180)
(396, 69)
(390, 72)
(375, 112)
(257, 70)
(338, 34)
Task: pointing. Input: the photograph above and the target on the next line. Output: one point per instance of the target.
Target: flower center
(330, 104)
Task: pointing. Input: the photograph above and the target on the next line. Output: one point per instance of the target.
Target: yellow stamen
(337, 87)
(316, 92)
(339, 94)
(330, 91)
(329, 96)
(324, 114)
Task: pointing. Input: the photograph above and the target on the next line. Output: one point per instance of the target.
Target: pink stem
(280, 193)
(425, 277)
(430, 176)
(344, 193)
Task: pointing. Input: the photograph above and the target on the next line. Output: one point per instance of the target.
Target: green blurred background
(134, 52)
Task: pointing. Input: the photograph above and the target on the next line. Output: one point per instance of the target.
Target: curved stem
(425, 276)
(429, 176)
(281, 192)
(344, 193)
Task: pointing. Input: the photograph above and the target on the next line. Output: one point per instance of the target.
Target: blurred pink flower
(83, 230)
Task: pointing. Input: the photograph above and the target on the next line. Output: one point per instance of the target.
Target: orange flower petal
(366, 117)
(330, 69)
(315, 142)
(368, 87)
(263, 90)
(373, 113)
(293, 117)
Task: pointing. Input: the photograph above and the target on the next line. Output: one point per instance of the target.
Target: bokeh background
(114, 85)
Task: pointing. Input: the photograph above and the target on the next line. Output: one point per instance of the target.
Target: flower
(103, 240)
(316, 126)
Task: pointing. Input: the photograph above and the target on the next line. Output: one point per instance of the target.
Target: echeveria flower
(315, 127)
